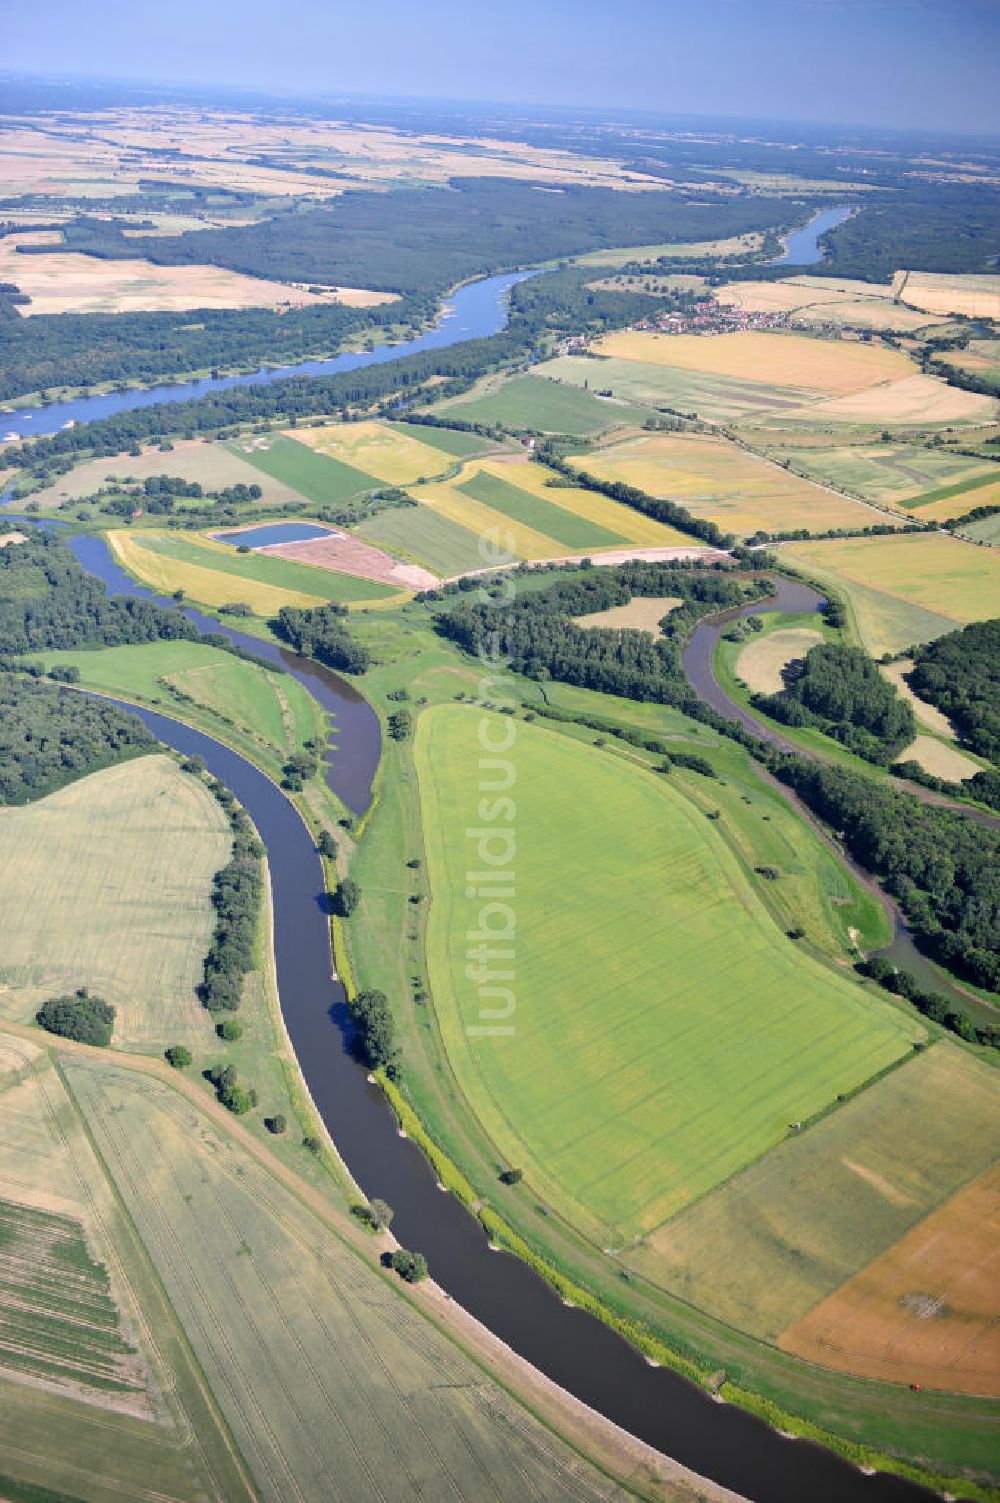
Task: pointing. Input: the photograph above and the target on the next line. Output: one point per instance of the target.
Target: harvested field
(321, 1369)
(762, 660)
(820, 365)
(343, 553)
(941, 760)
(915, 400)
(971, 296)
(824, 300)
(643, 613)
(133, 924)
(650, 385)
(7, 538)
(773, 1242)
(734, 245)
(894, 584)
(68, 282)
(213, 465)
(717, 480)
(928, 1310)
(396, 457)
(111, 1439)
(646, 1061)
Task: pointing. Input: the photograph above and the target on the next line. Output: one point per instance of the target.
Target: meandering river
(802, 247)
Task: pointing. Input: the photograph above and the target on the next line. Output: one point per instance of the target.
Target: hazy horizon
(882, 64)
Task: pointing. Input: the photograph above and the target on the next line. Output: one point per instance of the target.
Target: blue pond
(274, 532)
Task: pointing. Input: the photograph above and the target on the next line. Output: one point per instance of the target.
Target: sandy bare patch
(940, 760)
(344, 554)
(928, 715)
(7, 538)
(761, 662)
(643, 613)
(67, 282)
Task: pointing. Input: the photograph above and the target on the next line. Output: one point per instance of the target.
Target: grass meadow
(137, 845)
(904, 590)
(773, 1242)
(318, 477)
(425, 537)
(904, 475)
(541, 404)
(649, 1061)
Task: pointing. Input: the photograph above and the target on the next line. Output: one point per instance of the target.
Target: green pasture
(883, 472)
(266, 568)
(426, 537)
(267, 715)
(648, 1060)
(719, 398)
(770, 1244)
(557, 522)
(448, 440)
(548, 406)
(317, 477)
(949, 492)
(985, 531)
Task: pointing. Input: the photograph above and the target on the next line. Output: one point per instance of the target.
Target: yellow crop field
(207, 585)
(774, 358)
(143, 842)
(631, 526)
(377, 449)
(914, 399)
(972, 296)
(906, 589)
(482, 520)
(718, 480)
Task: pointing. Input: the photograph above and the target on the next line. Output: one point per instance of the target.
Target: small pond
(275, 532)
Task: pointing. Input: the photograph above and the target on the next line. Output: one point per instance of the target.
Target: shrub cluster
(89, 1020)
(236, 896)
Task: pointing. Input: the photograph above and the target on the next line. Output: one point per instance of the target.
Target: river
(718, 1441)
(802, 247)
(472, 312)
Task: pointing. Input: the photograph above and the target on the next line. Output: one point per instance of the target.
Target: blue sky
(881, 62)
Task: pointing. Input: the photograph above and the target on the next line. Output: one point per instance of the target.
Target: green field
(266, 568)
(719, 398)
(424, 536)
(885, 473)
(268, 715)
(575, 533)
(106, 884)
(317, 477)
(448, 440)
(767, 1246)
(538, 403)
(985, 531)
(322, 1371)
(649, 1061)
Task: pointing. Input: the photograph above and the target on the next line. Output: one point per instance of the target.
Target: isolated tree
(327, 846)
(511, 1176)
(346, 897)
(276, 1124)
(411, 1266)
(179, 1056)
(381, 1214)
(230, 1030)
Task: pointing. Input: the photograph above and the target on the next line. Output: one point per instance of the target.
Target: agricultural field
(643, 613)
(970, 296)
(214, 466)
(927, 1310)
(70, 1254)
(392, 455)
(107, 884)
(908, 476)
(427, 537)
(318, 477)
(761, 662)
(737, 490)
(215, 574)
(981, 358)
(541, 403)
(65, 281)
(605, 1079)
(777, 1240)
(904, 590)
(942, 760)
(266, 715)
(509, 499)
(321, 1370)
(866, 305)
(733, 245)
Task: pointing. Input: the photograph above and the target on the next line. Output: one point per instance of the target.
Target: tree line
(322, 633)
(960, 674)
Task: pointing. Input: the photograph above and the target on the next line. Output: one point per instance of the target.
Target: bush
(230, 1030)
(311, 1143)
(511, 1176)
(178, 1055)
(276, 1124)
(411, 1266)
(88, 1020)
